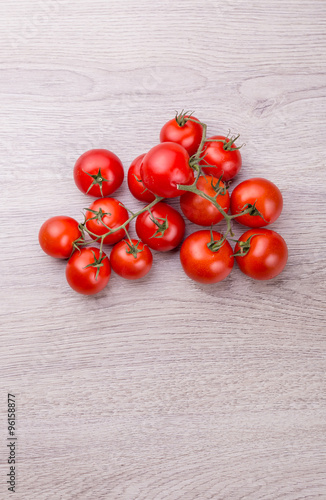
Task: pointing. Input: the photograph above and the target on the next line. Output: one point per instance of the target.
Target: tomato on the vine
(202, 258)
(183, 131)
(131, 259)
(105, 214)
(221, 158)
(200, 210)
(57, 235)
(261, 254)
(263, 196)
(135, 183)
(164, 167)
(87, 271)
(162, 228)
(98, 172)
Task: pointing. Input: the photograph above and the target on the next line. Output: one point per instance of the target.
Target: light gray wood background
(162, 389)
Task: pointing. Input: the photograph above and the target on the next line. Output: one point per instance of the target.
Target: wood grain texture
(162, 389)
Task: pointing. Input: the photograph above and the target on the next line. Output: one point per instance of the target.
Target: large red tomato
(184, 132)
(131, 260)
(262, 193)
(219, 160)
(162, 229)
(201, 211)
(87, 272)
(57, 235)
(261, 254)
(201, 262)
(164, 167)
(98, 172)
(105, 214)
(135, 183)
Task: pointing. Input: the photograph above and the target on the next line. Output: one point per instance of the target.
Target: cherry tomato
(266, 197)
(201, 263)
(166, 233)
(86, 272)
(184, 132)
(202, 211)
(131, 261)
(267, 254)
(57, 235)
(221, 161)
(98, 172)
(164, 167)
(135, 184)
(110, 212)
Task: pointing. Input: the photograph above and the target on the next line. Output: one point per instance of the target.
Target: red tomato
(266, 256)
(57, 235)
(131, 262)
(184, 132)
(135, 184)
(221, 161)
(86, 272)
(164, 235)
(164, 167)
(108, 212)
(266, 197)
(98, 172)
(201, 263)
(202, 211)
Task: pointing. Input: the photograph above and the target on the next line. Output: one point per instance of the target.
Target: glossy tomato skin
(267, 256)
(222, 163)
(90, 163)
(83, 279)
(135, 184)
(188, 135)
(164, 167)
(202, 264)
(116, 214)
(201, 211)
(126, 265)
(173, 235)
(57, 235)
(265, 194)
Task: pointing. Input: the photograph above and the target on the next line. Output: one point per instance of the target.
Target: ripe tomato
(266, 197)
(202, 211)
(200, 262)
(86, 272)
(135, 184)
(220, 160)
(166, 233)
(184, 132)
(266, 256)
(131, 261)
(106, 212)
(57, 235)
(164, 167)
(98, 172)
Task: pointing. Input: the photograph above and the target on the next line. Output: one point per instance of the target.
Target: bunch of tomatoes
(185, 164)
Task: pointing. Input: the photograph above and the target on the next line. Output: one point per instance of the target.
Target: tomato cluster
(184, 164)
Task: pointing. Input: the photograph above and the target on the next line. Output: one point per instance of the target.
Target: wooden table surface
(162, 389)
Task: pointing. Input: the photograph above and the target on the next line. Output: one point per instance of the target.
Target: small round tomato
(131, 260)
(201, 211)
(87, 272)
(98, 172)
(261, 254)
(262, 195)
(57, 235)
(162, 229)
(202, 261)
(184, 132)
(135, 183)
(105, 214)
(221, 159)
(164, 167)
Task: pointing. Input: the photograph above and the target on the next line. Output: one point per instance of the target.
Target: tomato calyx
(215, 245)
(251, 209)
(161, 226)
(97, 264)
(98, 214)
(228, 142)
(133, 250)
(98, 179)
(183, 117)
(244, 246)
